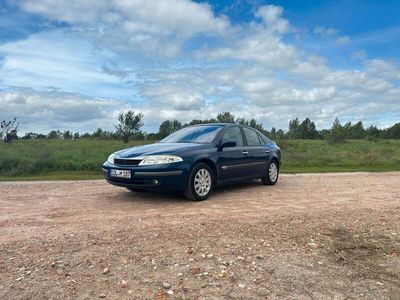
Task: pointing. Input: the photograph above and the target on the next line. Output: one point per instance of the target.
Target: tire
(272, 175)
(202, 191)
(136, 190)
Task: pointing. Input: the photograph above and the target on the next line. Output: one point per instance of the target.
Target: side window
(251, 137)
(261, 140)
(233, 134)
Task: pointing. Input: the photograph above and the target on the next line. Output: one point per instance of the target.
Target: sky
(74, 65)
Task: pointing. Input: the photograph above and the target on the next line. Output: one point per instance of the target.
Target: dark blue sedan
(195, 159)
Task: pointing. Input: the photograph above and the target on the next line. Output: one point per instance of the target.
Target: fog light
(155, 181)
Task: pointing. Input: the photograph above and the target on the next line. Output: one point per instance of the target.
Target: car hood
(158, 148)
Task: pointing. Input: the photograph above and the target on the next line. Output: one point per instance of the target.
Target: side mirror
(228, 144)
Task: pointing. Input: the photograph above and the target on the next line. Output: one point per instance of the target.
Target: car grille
(126, 162)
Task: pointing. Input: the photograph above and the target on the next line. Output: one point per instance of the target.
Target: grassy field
(82, 159)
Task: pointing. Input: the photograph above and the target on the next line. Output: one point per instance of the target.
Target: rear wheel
(201, 182)
(272, 173)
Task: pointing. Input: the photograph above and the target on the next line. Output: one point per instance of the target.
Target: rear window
(252, 137)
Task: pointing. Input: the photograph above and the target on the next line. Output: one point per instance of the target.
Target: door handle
(245, 152)
(267, 151)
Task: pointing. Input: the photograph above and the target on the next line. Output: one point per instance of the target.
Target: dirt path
(330, 236)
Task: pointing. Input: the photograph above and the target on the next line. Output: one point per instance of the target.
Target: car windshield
(196, 134)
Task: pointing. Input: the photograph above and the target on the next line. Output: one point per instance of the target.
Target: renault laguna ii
(196, 159)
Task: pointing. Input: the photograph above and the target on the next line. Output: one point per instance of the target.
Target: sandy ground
(330, 236)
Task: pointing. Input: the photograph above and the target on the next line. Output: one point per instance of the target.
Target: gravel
(331, 236)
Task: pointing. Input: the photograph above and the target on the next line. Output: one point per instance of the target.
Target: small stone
(176, 265)
(210, 255)
(102, 296)
(124, 284)
(320, 262)
(241, 285)
(205, 274)
(191, 259)
(105, 271)
(240, 258)
(28, 272)
(179, 274)
(19, 278)
(203, 255)
(379, 283)
(259, 256)
(170, 292)
(166, 285)
(312, 245)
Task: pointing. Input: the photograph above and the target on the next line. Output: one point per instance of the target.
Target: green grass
(82, 159)
(58, 159)
(355, 155)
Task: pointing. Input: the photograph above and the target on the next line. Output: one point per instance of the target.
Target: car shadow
(179, 198)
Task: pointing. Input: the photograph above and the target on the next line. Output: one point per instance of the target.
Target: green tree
(226, 117)
(337, 132)
(129, 124)
(54, 135)
(30, 136)
(357, 131)
(394, 131)
(242, 121)
(67, 135)
(307, 130)
(9, 130)
(373, 131)
(294, 125)
(167, 127)
(273, 133)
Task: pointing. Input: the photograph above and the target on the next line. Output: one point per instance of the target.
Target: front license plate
(121, 173)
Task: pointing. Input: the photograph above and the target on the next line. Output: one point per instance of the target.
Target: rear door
(258, 154)
(233, 162)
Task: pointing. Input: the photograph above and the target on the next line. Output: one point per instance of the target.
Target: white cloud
(383, 69)
(63, 60)
(272, 17)
(172, 97)
(343, 40)
(42, 111)
(253, 70)
(327, 31)
(359, 54)
(124, 25)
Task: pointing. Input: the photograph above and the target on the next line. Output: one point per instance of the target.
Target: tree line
(130, 125)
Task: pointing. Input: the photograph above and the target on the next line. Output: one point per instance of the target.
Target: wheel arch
(275, 159)
(211, 164)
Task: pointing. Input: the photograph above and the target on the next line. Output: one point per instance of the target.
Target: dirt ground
(329, 236)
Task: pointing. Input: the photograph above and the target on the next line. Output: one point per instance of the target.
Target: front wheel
(201, 182)
(272, 174)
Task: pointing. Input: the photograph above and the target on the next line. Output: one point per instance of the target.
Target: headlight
(160, 159)
(110, 159)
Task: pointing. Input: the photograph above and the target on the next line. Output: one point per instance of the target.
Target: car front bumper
(169, 177)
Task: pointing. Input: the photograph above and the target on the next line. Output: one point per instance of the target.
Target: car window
(251, 137)
(194, 134)
(262, 141)
(233, 134)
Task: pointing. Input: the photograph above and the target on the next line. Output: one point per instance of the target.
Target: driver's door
(233, 162)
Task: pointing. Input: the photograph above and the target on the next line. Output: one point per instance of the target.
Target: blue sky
(76, 64)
